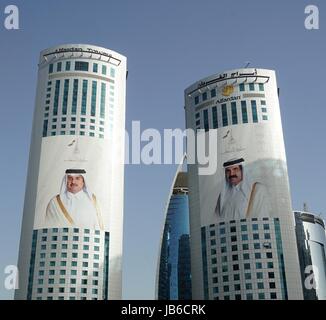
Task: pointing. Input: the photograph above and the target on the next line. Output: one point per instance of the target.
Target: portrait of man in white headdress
(75, 205)
(241, 197)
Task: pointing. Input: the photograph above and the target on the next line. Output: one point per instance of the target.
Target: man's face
(75, 183)
(233, 175)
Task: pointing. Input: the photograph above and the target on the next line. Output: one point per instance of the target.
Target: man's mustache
(230, 177)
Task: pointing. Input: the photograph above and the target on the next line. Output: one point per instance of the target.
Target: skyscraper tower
(173, 279)
(242, 229)
(71, 237)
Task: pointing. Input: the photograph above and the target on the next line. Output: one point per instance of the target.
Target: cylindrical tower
(71, 237)
(242, 231)
(173, 278)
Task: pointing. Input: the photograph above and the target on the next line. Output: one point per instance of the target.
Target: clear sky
(169, 45)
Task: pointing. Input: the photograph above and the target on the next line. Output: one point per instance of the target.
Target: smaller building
(311, 239)
(174, 274)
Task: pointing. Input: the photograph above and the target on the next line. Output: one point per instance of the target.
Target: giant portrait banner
(74, 183)
(251, 178)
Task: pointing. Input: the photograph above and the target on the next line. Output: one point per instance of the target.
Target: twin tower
(242, 239)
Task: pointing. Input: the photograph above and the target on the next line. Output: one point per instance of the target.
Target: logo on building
(227, 90)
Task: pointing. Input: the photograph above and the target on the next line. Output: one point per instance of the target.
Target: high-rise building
(242, 229)
(173, 279)
(311, 239)
(71, 237)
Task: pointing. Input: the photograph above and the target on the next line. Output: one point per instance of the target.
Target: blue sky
(169, 45)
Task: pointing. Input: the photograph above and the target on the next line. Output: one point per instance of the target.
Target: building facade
(173, 280)
(242, 230)
(71, 237)
(311, 238)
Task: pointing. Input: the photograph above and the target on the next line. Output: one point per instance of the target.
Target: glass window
(233, 238)
(248, 276)
(261, 87)
(246, 256)
(204, 96)
(270, 265)
(95, 67)
(259, 275)
(256, 236)
(251, 86)
(234, 248)
(267, 236)
(213, 93)
(236, 277)
(235, 267)
(263, 102)
(244, 237)
(50, 69)
(81, 66)
(222, 231)
(67, 65)
(256, 246)
(224, 268)
(75, 246)
(260, 285)
(225, 278)
(56, 97)
(224, 259)
(272, 285)
(264, 110)
(59, 65)
(257, 255)
(244, 112)
(271, 275)
(224, 115)
(273, 295)
(254, 111)
(196, 99)
(245, 246)
(244, 228)
(241, 87)
(247, 266)
(206, 122)
(223, 250)
(112, 72)
(259, 265)
(215, 121)
(265, 117)
(104, 69)
(237, 287)
(248, 286)
(234, 113)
